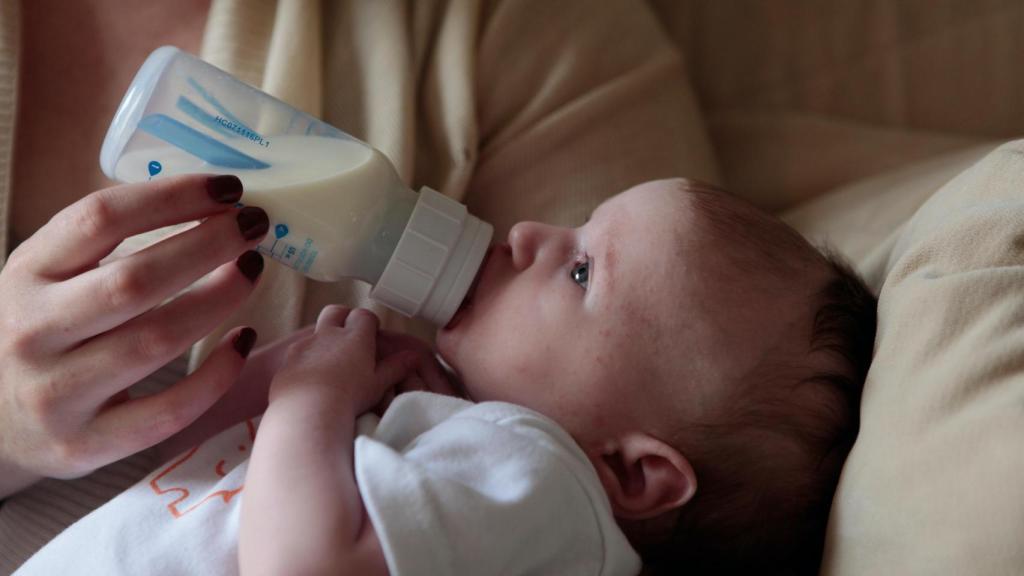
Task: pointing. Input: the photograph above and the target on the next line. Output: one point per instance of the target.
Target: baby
(705, 359)
(677, 380)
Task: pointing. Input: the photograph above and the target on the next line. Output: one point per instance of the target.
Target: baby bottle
(337, 207)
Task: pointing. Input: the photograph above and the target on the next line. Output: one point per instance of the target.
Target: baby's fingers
(359, 327)
(140, 423)
(436, 379)
(332, 315)
(395, 368)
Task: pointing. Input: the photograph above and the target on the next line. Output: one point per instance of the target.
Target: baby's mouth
(467, 302)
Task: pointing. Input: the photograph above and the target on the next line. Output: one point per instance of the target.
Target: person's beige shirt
(522, 109)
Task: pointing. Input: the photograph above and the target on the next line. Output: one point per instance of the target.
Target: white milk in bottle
(336, 205)
(325, 196)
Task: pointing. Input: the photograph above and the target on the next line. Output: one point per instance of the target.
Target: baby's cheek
(593, 349)
(600, 358)
(518, 343)
(527, 367)
(510, 362)
(517, 376)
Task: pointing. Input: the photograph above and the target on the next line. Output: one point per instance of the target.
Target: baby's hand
(339, 363)
(427, 375)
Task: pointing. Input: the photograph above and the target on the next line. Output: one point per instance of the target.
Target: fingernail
(226, 189)
(251, 264)
(253, 222)
(244, 341)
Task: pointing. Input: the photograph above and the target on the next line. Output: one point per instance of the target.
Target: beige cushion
(934, 483)
(862, 219)
(932, 65)
(801, 97)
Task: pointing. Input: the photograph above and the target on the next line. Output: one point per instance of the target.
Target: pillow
(934, 482)
(861, 219)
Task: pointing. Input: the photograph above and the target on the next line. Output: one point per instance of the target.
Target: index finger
(82, 234)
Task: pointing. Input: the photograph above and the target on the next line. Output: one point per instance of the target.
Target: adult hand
(75, 333)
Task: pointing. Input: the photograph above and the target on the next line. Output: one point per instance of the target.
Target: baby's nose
(524, 238)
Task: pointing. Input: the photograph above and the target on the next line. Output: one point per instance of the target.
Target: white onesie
(452, 487)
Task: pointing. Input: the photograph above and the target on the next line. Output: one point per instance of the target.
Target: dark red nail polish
(244, 341)
(253, 222)
(226, 189)
(251, 264)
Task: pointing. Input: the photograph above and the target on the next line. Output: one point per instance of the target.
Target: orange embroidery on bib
(180, 506)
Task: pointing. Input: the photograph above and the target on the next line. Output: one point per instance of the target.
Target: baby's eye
(580, 273)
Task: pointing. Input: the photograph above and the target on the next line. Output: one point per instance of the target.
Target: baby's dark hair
(768, 465)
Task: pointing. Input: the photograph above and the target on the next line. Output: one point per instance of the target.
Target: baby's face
(582, 324)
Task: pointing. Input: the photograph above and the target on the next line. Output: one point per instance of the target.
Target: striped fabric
(32, 517)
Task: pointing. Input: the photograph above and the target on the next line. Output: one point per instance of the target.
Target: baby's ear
(643, 476)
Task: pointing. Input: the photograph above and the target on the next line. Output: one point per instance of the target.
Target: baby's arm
(301, 508)
(302, 513)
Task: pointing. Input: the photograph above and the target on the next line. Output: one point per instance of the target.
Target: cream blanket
(514, 108)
